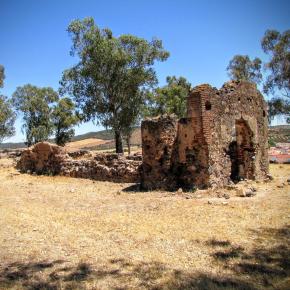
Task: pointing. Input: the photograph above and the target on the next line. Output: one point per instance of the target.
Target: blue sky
(201, 36)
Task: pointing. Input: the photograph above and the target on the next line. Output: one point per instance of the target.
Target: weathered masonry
(223, 138)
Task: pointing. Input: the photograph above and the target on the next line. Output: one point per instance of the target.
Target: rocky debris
(226, 195)
(180, 191)
(46, 158)
(246, 192)
(288, 180)
(270, 177)
(42, 158)
(82, 153)
(10, 153)
(136, 157)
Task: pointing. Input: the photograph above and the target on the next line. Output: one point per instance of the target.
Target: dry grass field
(86, 143)
(65, 233)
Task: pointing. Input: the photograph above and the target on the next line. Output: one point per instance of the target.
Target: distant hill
(104, 135)
(279, 134)
(276, 134)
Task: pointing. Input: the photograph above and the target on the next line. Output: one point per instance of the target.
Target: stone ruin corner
(223, 139)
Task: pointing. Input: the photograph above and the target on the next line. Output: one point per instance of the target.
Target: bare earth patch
(86, 143)
(65, 233)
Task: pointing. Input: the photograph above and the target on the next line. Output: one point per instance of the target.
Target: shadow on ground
(265, 267)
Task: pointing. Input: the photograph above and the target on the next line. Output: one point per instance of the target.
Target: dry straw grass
(65, 233)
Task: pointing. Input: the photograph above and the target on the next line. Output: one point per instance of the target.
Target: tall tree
(7, 119)
(169, 99)
(7, 116)
(63, 119)
(241, 67)
(35, 105)
(110, 73)
(277, 46)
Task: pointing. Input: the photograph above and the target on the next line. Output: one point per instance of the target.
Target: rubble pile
(46, 158)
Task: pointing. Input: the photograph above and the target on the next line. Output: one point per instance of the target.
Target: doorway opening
(242, 152)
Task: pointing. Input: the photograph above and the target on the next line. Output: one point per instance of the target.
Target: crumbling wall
(242, 131)
(46, 158)
(104, 167)
(158, 143)
(223, 139)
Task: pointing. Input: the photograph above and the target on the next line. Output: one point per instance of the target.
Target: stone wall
(46, 158)
(223, 139)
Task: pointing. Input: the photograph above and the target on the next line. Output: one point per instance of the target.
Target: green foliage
(170, 99)
(277, 46)
(2, 76)
(108, 82)
(7, 116)
(242, 68)
(271, 142)
(7, 119)
(279, 107)
(34, 103)
(63, 119)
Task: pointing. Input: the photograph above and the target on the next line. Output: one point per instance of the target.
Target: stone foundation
(46, 158)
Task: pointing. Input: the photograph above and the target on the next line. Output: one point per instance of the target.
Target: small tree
(277, 46)
(112, 71)
(35, 105)
(170, 99)
(242, 68)
(7, 116)
(7, 119)
(63, 119)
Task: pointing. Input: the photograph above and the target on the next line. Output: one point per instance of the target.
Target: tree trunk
(118, 141)
(128, 144)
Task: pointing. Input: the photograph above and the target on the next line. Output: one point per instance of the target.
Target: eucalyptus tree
(241, 67)
(169, 99)
(7, 119)
(111, 73)
(7, 116)
(277, 46)
(63, 118)
(35, 104)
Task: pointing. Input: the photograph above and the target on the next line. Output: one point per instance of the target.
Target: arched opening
(242, 152)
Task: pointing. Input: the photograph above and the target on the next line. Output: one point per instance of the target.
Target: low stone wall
(46, 158)
(10, 153)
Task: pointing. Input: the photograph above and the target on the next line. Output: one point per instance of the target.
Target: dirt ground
(65, 233)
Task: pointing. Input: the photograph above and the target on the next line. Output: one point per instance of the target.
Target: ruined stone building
(223, 138)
